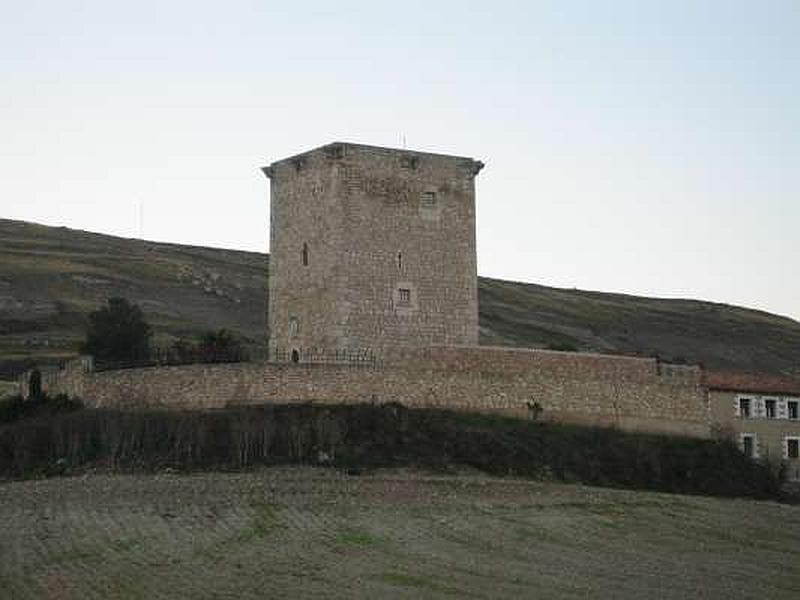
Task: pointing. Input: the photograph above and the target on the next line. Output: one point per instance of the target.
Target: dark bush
(17, 407)
(118, 332)
(563, 347)
(355, 437)
(220, 346)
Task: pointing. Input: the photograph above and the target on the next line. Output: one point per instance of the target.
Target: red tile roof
(747, 382)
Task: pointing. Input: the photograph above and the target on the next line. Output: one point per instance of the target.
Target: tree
(118, 332)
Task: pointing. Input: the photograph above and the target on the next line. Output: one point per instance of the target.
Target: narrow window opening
(744, 408)
(294, 326)
(399, 261)
(770, 408)
(305, 255)
(295, 356)
(748, 447)
(793, 409)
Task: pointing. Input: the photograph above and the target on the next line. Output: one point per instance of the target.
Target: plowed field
(289, 533)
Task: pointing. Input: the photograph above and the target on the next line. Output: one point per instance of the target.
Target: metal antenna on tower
(141, 219)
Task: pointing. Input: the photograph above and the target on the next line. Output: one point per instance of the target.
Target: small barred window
(792, 447)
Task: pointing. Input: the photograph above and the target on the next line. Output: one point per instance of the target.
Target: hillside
(51, 277)
(718, 336)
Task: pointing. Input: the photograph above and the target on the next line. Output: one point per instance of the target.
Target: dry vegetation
(289, 533)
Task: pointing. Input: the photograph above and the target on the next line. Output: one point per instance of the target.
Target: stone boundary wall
(630, 393)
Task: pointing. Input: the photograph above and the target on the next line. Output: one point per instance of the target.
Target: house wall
(770, 433)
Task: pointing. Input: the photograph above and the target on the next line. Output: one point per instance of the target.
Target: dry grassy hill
(52, 277)
(718, 336)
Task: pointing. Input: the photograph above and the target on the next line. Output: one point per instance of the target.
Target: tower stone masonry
(371, 250)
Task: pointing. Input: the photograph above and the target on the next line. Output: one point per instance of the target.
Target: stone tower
(371, 249)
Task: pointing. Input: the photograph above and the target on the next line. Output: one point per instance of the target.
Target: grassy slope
(50, 278)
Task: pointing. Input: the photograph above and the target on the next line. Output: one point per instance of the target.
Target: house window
(792, 406)
(305, 255)
(400, 261)
(294, 326)
(793, 447)
(748, 444)
(428, 199)
(744, 407)
(770, 408)
(404, 296)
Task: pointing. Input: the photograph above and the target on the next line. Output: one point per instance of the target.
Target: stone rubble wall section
(588, 389)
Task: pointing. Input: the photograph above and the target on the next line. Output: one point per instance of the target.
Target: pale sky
(651, 148)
